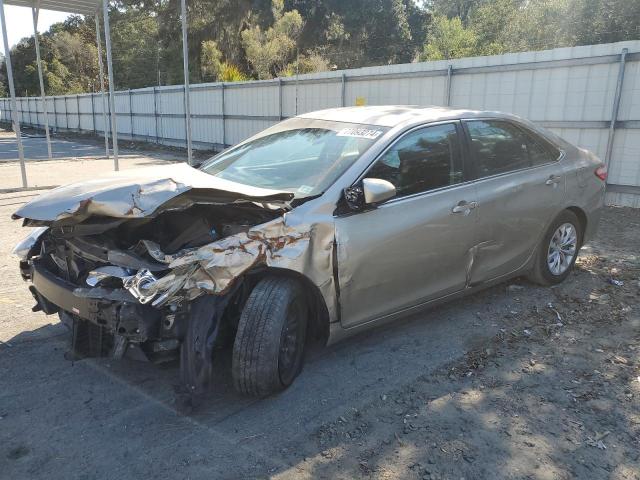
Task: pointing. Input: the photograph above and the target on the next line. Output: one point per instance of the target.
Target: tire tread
(257, 343)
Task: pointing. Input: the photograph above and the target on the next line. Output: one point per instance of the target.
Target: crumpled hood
(139, 193)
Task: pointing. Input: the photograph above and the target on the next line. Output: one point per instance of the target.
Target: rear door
(413, 247)
(520, 187)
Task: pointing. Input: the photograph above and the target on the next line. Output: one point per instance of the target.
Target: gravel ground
(517, 381)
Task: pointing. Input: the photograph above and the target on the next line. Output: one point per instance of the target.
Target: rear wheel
(558, 250)
(269, 344)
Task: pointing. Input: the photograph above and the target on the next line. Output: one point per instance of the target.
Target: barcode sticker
(359, 133)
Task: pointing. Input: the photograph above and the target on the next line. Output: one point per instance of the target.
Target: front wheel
(558, 250)
(269, 345)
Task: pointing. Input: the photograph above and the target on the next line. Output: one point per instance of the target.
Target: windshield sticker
(305, 189)
(359, 133)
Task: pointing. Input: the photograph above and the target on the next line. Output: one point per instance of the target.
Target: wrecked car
(318, 227)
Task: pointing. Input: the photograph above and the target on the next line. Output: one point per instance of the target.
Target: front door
(520, 189)
(414, 247)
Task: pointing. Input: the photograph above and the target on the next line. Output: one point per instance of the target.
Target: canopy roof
(82, 7)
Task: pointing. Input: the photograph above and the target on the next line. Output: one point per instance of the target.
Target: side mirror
(367, 192)
(377, 190)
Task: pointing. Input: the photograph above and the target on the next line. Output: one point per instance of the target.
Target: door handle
(464, 207)
(552, 180)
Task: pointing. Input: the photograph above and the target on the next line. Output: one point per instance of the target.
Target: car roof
(393, 115)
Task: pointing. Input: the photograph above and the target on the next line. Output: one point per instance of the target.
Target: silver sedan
(320, 226)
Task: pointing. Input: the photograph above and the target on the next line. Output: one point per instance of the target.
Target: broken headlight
(22, 249)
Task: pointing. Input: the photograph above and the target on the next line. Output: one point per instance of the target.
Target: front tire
(269, 344)
(558, 250)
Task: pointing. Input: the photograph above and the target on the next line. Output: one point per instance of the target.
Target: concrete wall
(568, 90)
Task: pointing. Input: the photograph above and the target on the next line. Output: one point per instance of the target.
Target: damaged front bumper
(116, 311)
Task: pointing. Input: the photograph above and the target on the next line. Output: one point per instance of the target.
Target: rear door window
(501, 147)
(422, 160)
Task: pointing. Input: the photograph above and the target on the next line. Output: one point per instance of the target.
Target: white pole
(35, 11)
(185, 66)
(112, 101)
(105, 125)
(12, 91)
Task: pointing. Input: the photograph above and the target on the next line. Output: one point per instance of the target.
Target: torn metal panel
(139, 193)
(213, 268)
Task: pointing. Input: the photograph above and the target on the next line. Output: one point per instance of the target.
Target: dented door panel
(513, 213)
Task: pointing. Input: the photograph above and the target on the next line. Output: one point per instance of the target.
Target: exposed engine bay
(157, 264)
(135, 254)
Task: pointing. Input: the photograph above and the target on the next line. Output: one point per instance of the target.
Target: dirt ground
(517, 381)
(555, 394)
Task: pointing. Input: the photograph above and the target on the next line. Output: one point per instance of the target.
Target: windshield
(303, 156)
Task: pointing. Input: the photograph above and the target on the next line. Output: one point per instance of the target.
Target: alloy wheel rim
(562, 249)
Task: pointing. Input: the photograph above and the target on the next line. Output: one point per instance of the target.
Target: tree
(359, 33)
(489, 21)
(231, 73)
(3, 77)
(79, 59)
(233, 40)
(269, 51)
(306, 63)
(449, 39)
(135, 37)
(210, 61)
(455, 8)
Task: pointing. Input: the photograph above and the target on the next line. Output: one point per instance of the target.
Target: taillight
(601, 172)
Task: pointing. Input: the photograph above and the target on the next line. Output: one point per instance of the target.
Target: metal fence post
(224, 130)
(343, 90)
(112, 99)
(616, 107)
(187, 89)
(105, 127)
(66, 113)
(45, 111)
(55, 114)
(93, 116)
(280, 98)
(78, 112)
(12, 92)
(447, 93)
(155, 111)
(131, 115)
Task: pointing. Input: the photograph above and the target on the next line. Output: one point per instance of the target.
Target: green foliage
(210, 61)
(305, 63)
(449, 39)
(136, 56)
(231, 73)
(269, 51)
(3, 77)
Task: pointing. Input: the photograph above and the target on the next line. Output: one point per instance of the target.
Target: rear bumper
(115, 310)
(594, 209)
